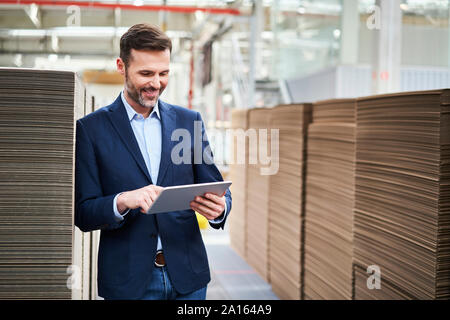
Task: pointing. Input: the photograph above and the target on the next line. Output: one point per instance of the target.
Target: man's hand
(210, 205)
(141, 198)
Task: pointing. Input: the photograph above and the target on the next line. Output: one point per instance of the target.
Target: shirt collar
(132, 113)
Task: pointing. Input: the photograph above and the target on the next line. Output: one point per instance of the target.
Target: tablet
(177, 198)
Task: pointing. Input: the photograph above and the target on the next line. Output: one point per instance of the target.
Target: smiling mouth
(150, 93)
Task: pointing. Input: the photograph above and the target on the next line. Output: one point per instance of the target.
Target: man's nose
(155, 82)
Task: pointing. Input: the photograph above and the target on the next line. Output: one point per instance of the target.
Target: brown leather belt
(159, 259)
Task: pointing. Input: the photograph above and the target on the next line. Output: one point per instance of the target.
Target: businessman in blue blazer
(124, 156)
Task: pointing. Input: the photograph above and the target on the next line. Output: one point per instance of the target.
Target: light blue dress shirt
(148, 135)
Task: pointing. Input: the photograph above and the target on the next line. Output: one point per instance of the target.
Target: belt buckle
(156, 257)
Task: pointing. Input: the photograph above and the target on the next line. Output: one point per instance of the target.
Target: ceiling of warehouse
(90, 29)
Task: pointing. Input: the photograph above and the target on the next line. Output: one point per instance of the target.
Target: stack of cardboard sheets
(38, 110)
(402, 214)
(238, 175)
(330, 200)
(258, 192)
(287, 200)
(91, 240)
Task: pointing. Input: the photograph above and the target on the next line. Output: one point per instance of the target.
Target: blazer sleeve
(93, 210)
(206, 171)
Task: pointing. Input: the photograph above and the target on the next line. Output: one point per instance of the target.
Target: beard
(137, 94)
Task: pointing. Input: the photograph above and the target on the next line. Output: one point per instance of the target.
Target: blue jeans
(160, 288)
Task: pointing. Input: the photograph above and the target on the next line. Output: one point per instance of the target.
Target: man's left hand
(210, 205)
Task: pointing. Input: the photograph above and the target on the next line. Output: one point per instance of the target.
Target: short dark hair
(143, 36)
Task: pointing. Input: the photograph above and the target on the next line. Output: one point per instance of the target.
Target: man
(123, 159)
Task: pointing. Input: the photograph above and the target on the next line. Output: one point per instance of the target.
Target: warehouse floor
(231, 277)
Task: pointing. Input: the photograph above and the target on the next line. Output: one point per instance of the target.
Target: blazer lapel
(119, 119)
(168, 125)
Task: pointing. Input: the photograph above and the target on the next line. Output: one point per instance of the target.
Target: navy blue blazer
(109, 161)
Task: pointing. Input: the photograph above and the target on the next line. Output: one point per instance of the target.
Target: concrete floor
(231, 277)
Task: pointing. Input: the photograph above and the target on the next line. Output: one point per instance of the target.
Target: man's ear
(120, 66)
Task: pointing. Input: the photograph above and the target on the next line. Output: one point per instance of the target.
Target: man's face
(146, 76)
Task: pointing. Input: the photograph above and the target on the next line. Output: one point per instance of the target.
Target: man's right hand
(140, 198)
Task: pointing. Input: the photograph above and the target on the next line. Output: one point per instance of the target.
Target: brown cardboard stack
(38, 110)
(238, 175)
(258, 193)
(82, 271)
(287, 201)
(330, 200)
(402, 213)
(91, 239)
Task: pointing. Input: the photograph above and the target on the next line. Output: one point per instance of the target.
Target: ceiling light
(52, 57)
(336, 33)
(404, 7)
